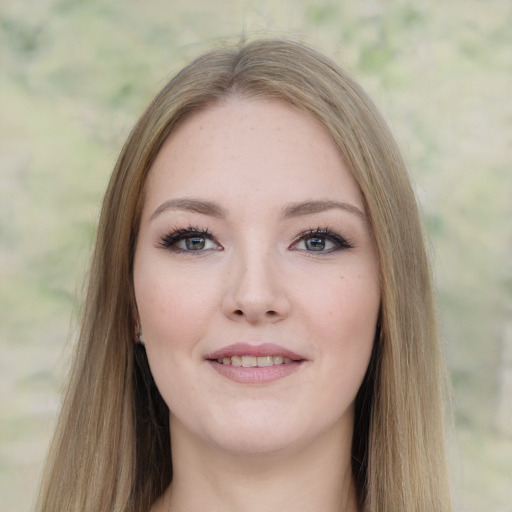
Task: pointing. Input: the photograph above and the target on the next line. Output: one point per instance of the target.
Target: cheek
(344, 306)
(173, 304)
(342, 315)
(174, 311)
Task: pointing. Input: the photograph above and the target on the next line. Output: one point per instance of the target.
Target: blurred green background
(75, 74)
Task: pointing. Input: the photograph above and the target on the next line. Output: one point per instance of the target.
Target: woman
(259, 306)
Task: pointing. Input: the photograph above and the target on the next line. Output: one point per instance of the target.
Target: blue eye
(194, 243)
(321, 241)
(189, 240)
(317, 244)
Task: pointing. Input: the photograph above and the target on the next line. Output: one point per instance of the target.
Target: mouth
(253, 361)
(255, 364)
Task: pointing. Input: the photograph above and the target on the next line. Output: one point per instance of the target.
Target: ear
(137, 329)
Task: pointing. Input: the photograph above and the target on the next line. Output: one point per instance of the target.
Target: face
(256, 279)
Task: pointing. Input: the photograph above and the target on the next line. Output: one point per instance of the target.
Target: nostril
(271, 313)
(239, 312)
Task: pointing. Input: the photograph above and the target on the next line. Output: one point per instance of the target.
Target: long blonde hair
(111, 450)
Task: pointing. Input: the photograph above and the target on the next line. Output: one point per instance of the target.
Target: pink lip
(255, 375)
(260, 350)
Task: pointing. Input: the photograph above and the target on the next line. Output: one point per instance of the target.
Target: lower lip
(256, 374)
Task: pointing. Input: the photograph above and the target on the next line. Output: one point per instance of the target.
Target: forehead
(251, 148)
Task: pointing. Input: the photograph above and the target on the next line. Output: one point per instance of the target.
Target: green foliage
(19, 36)
(321, 14)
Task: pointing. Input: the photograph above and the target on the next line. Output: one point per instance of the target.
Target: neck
(308, 478)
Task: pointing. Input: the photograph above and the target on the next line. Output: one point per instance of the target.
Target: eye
(189, 240)
(320, 241)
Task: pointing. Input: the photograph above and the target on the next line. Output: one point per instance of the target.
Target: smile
(260, 363)
(253, 361)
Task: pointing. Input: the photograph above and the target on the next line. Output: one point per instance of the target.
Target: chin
(259, 435)
(248, 428)
(258, 442)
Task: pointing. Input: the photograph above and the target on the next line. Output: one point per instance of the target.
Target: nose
(256, 291)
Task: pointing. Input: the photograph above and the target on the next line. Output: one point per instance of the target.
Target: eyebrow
(191, 205)
(291, 211)
(312, 207)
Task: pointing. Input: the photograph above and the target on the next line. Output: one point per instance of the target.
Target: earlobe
(138, 334)
(136, 326)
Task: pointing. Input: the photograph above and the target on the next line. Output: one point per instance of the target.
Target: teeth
(253, 361)
(249, 361)
(265, 361)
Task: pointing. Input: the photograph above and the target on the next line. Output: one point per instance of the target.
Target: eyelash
(341, 243)
(171, 240)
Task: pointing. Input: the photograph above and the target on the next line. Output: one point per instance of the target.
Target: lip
(259, 350)
(255, 375)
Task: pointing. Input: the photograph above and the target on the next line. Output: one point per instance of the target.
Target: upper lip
(256, 350)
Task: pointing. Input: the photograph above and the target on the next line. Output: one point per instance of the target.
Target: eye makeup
(321, 241)
(191, 239)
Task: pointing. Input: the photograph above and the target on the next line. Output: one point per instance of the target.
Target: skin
(257, 277)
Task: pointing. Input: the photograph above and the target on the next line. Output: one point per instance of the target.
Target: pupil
(315, 244)
(195, 243)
